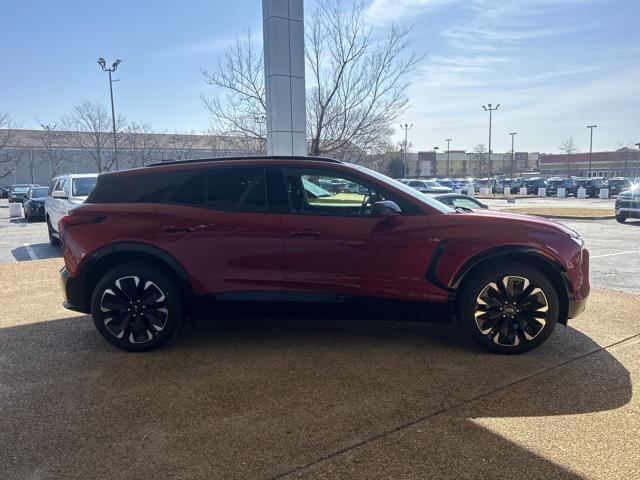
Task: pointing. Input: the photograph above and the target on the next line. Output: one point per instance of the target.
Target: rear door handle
(178, 229)
(306, 234)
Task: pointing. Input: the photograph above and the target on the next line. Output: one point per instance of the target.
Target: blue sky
(554, 66)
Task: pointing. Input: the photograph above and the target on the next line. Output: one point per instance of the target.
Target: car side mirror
(385, 209)
(484, 205)
(60, 194)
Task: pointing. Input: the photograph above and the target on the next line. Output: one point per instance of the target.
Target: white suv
(66, 192)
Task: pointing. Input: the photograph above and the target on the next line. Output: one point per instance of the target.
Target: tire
(26, 216)
(53, 241)
(621, 217)
(137, 307)
(508, 328)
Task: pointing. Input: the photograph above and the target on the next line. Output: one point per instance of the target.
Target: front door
(334, 245)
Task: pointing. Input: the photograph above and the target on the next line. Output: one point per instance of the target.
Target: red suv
(154, 245)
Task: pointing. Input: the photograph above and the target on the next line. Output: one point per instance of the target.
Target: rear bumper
(73, 293)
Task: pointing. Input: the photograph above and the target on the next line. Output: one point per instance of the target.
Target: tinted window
(183, 187)
(52, 186)
(237, 189)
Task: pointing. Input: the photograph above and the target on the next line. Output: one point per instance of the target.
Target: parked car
(618, 184)
(459, 200)
(489, 183)
(4, 191)
(65, 192)
(628, 204)
(593, 186)
(568, 184)
(426, 186)
(18, 191)
(33, 203)
(515, 184)
(205, 237)
(533, 184)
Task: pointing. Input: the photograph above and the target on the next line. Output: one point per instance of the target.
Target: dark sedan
(33, 203)
(618, 184)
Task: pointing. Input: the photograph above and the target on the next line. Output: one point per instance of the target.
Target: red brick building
(625, 163)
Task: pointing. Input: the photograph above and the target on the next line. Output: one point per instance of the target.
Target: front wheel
(508, 307)
(137, 307)
(621, 217)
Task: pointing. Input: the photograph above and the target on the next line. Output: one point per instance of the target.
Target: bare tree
(7, 134)
(624, 153)
(181, 144)
(88, 128)
(50, 140)
(356, 90)
(240, 74)
(142, 143)
(480, 156)
(569, 147)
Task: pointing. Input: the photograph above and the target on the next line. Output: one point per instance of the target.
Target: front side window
(306, 194)
(237, 189)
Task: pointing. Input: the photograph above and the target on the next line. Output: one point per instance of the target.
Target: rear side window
(52, 186)
(237, 189)
(183, 187)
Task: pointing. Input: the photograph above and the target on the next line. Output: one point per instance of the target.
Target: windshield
(82, 187)
(20, 188)
(432, 183)
(432, 202)
(39, 192)
(314, 189)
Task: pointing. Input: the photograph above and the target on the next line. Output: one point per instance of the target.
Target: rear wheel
(508, 307)
(54, 241)
(137, 307)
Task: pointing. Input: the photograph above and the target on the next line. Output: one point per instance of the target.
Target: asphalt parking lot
(270, 399)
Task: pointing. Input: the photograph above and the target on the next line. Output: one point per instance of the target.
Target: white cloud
(197, 48)
(390, 11)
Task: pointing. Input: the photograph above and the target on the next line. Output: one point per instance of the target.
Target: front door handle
(178, 229)
(306, 234)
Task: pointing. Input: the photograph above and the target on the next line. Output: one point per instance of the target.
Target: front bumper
(74, 298)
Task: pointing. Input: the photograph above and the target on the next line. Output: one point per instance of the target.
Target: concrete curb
(568, 217)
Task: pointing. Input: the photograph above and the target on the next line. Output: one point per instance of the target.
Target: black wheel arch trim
(141, 248)
(492, 253)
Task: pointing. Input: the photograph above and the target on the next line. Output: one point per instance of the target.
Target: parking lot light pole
(406, 127)
(490, 109)
(448, 140)
(513, 136)
(590, 127)
(110, 70)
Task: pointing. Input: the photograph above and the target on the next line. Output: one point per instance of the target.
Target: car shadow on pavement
(36, 251)
(260, 398)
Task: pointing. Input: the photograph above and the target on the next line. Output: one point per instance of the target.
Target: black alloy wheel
(137, 307)
(509, 307)
(511, 311)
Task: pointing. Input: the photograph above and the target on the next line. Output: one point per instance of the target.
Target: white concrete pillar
(562, 192)
(523, 190)
(582, 193)
(283, 31)
(604, 193)
(542, 192)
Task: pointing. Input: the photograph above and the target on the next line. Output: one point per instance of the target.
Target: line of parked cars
(513, 185)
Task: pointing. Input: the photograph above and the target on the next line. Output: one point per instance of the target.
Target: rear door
(219, 227)
(333, 244)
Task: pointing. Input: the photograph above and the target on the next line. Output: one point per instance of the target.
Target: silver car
(66, 192)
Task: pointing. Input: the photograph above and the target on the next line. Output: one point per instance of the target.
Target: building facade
(624, 162)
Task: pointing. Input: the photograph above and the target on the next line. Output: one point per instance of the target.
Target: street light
(513, 136)
(448, 140)
(112, 69)
(590, 127)
(490, 109)
(406, 127)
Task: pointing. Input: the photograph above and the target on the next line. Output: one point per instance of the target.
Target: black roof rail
(252, 157)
